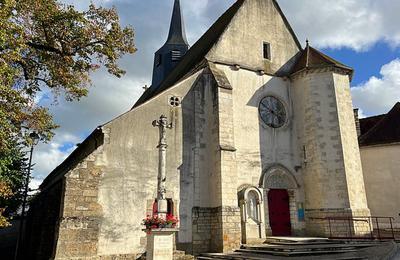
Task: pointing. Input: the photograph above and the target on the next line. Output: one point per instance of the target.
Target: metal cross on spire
(162, 204)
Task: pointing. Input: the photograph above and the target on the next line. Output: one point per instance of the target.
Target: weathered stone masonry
(81, 216)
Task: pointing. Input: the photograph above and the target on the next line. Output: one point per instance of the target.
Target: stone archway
(252, 215)
(277, 179)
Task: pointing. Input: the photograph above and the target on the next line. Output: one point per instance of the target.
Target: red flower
(153, 222)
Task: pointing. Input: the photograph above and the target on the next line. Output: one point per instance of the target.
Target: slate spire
(176, 46)
(177, 34)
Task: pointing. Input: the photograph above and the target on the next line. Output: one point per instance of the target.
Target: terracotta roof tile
(311, 58)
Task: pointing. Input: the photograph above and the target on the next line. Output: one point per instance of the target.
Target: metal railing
(362, 227)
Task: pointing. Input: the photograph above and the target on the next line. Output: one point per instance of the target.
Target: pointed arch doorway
(280, 188)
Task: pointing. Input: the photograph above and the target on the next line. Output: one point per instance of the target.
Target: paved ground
(397, 256)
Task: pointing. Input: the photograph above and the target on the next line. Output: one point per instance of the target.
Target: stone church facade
(263, 143)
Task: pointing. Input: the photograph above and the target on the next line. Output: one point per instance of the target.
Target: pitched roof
(199, 50)
(311, 58)
(195, 55)
(385, 130)
(287, 24)
(368, 123)
(219, 76)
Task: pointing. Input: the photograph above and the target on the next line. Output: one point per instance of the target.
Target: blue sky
(366, 63)
(363, 34)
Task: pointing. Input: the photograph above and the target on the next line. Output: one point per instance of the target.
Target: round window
(272, 112)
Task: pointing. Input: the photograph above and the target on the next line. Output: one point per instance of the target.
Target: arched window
(252, 205)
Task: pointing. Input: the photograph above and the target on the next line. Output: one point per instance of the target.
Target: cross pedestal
(160, 244)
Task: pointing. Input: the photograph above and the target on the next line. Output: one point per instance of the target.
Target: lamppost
(34, 138)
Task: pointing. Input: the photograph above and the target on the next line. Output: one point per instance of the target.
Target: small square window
(267, 51)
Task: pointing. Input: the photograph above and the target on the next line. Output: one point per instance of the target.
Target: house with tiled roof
(380, 156)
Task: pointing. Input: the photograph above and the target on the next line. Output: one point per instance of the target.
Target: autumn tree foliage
(5, 193)
(48, 46)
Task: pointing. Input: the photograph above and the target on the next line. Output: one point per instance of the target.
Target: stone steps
(305, 250)
(247, 256)
(296, 240)
(305, 247)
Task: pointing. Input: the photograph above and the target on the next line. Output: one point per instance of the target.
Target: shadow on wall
(269, 141)
(270, 137)
(186, 178)
(187, 170)
(197, 188)
(277, 142)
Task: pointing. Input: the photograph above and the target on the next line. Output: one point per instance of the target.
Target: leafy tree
(5, 193)
(48, 46)
(13, 168)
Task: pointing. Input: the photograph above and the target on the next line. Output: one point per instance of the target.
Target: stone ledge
(162, 230)
(227, 148)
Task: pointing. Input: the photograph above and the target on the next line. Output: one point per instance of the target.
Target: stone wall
(349, 141)
(205, 223)
(333, 180)
(81, 212)
(381, 166)
(324, 175)
(213, 225)
(257, 22)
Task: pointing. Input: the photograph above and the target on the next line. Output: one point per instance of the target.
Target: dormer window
(267, 50)
(176, 55)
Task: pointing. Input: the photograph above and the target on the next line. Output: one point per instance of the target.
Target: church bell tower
(176, 46)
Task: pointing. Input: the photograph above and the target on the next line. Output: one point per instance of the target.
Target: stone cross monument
(162, 204)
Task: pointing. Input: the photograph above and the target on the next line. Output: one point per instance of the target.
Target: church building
(263, 142)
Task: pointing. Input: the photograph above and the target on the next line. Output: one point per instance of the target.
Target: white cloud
(356, 24)
(47, 156)
(34, 184)
(378, 95)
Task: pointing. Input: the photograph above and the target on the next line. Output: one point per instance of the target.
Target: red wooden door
(279, 212)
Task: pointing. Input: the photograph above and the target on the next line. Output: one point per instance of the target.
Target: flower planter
(154, 222)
